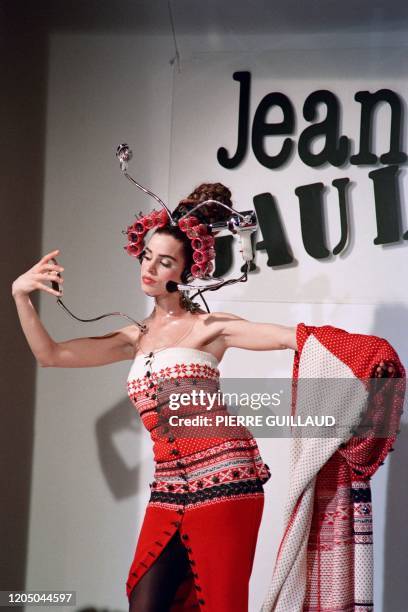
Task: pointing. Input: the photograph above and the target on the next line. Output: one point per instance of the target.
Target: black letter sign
(243, 120)
(368, 103)
(335, 150)
(260, 129)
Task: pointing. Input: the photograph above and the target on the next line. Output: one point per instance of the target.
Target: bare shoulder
(220, 316)
(217, 319)
(129, 336)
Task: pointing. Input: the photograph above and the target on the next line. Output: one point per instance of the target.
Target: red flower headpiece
(199, 233)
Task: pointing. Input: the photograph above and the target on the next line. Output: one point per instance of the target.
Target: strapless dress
(208, 480)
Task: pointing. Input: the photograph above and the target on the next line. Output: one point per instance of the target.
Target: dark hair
(209, 213)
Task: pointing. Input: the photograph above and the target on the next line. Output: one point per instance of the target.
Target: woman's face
(163, 261)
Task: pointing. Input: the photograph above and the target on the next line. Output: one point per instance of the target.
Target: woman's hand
(36, 276)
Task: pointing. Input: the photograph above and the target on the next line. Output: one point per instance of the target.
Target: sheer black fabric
(155, 591)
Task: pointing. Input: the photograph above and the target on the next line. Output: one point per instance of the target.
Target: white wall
(92, 461)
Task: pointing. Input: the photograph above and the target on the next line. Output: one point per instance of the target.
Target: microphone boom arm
(241, 223)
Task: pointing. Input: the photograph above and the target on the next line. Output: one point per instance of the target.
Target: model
(197, 542)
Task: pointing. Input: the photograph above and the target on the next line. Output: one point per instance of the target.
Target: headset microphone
(171, 286)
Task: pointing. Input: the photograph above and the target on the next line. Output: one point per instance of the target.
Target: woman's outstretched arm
(75, 353)
(240, 333)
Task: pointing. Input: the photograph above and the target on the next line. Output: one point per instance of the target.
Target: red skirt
(220, 539)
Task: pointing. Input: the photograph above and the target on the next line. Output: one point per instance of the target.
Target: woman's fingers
(49, 256)
(48, 259)
(52, 267)
(48, 289)
(49, 276)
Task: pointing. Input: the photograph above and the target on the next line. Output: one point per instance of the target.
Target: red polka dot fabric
(325, 560)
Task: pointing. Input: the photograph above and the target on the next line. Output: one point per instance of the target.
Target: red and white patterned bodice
(184, 457)
(171, 362)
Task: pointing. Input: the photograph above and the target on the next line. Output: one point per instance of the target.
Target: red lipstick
(147, 280)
